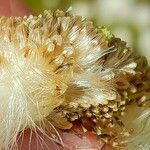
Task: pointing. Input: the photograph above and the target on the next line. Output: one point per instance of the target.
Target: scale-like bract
(61, 68)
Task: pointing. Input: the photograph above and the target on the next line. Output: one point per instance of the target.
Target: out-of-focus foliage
(35, 5)
(127, 19)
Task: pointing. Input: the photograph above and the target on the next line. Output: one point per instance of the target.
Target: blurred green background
(127, 19)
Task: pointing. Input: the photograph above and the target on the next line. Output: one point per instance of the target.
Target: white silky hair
(25, 94)
(14, 113)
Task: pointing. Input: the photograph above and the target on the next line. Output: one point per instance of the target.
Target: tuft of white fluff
(28, 85)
